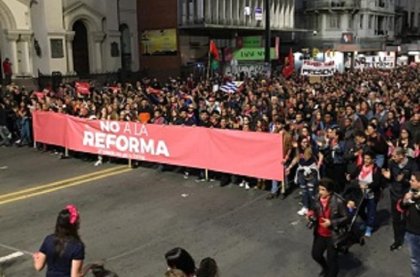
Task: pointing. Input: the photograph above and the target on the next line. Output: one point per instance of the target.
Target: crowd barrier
(244, 153)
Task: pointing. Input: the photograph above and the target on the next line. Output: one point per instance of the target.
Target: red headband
(74, 214)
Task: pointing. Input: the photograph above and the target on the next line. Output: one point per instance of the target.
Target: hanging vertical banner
(258, 14)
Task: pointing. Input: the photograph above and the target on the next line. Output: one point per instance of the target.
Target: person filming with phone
(327, 217)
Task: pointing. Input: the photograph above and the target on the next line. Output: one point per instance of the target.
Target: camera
(311, 222)
(416, 192)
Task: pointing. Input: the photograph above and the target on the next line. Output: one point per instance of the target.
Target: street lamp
(267, 58)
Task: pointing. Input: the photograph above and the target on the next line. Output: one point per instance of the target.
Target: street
(131, 217)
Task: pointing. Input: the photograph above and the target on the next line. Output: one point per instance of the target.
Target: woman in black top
(63, 251)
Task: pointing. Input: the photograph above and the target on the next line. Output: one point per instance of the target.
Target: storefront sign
(252, 42)
(159, 42)
(253, 54)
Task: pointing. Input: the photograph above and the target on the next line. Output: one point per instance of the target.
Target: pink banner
(244, 153)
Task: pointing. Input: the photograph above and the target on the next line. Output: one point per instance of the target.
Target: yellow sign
(315, 52)
(159, 42)
(314, 79)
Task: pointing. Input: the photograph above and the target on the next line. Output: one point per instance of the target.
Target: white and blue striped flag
(231, 87)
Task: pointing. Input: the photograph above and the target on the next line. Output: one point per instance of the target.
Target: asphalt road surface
(131, 217)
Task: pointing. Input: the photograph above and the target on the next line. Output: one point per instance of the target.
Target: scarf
(366, 170)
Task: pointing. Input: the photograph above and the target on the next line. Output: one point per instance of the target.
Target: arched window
(80, 49)
(125, 47)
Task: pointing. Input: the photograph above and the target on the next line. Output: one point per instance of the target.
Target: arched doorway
(80, 49)
(125, 47)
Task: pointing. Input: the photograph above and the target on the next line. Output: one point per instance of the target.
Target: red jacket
(7, 68)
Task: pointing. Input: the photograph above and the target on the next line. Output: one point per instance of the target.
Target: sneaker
(200, 179)
(98, 163)
(395, 246)
(368, 232)
(242, 184)
(302, 211)
(247, 187)
(271, 196)
(186, 175)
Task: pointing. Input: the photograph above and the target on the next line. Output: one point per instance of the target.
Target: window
(370, 21)
(57, 51)
(316, 21)
(361, 21)
(334, 21)
(412, 20)
(418, 20)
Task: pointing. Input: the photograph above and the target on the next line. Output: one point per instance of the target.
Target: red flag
(39, 94)
(115, 89)
(151, 90)
(82, 87)
(290, 67)
(214, 51)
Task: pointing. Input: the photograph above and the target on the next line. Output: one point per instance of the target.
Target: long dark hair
(179, 258)
(208, 268)
(65, 230)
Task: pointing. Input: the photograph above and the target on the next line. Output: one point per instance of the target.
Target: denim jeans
(307, 187)
(4, 135)
(371, 212)
(274, 186)
(25, 134)
(380, 160)
(413, 242)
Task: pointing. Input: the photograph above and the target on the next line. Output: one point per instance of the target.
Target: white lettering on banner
(142, 131)
(314, 68)
(122, 143)
(127, 128)
(386, 62)
(134, 145)
(125, 143)
(139, 130)
(110, 126)
(88, 138)
(248, 69)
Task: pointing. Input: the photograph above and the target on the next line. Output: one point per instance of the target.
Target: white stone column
(98, 38)
(292, 15)
(12, 38)
(27, 61)
(69, 48)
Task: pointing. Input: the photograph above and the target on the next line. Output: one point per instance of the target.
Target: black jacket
(378, 180)
(378, 145)
(3, 116)
(412, 215)
(399, 188)
(339, 215)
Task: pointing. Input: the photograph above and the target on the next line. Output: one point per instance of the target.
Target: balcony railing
(331, 5)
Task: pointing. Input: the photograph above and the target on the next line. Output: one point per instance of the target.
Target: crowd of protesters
(360, 128)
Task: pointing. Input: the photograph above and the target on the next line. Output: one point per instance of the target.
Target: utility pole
(267, 58)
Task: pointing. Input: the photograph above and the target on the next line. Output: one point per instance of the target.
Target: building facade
(407, 22)
(74, 37)
(196, 22)
(370, 24)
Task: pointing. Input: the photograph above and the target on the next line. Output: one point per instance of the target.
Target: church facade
(74, 37)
